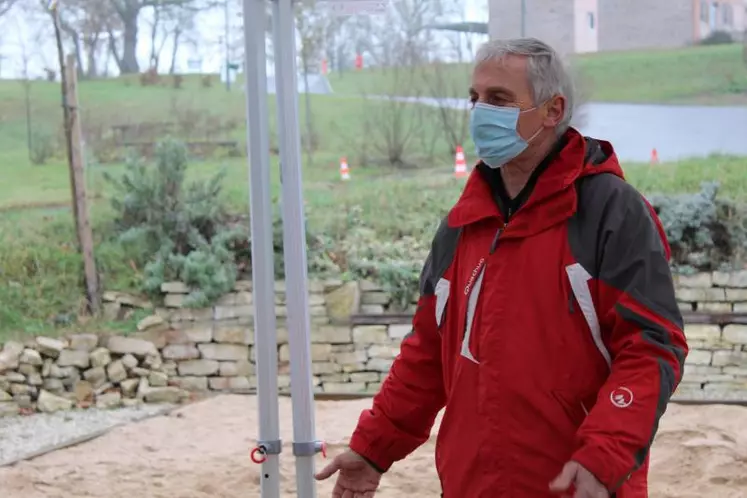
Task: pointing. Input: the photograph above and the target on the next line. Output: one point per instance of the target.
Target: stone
(129, 387)
(31, 357)
(230, 312)
(107, 401)
(193, 384)
(386, 352)
(169, 368)
(379, 364)
(84, 342)
(15, 377)
(34, 379)
(699, 357)
(369, 286)
(158, 379)
(729, 358)
(344, 387)
(73, 358)
(134, 301)
(150, 322)
(174, 288)
(4, 396)
(376, 297)
(736, 295)
(708, 333)
(230, 352)
(50, 403)
(365, 377)
(169, 394)
(697, 280)
(131, 403)
(399, 332)
(353, 358)
(142, 388)
(116, 371)
(96, 376)
(343, 302)
(10, 355)
(157, 336)
(180, 352)
(190, 333)
(235, 368)
(4, 384)
(140, 372)
(738, 279)
(243, 285)
(370, 334)
(100, 357)
(130, 345)
(735, 334)
(153, 361)
(198, 368)
(46, 369)
(233, 334)
(49, 347)
(332, 335)
(129, 361)
(230, 383)
(26, 369)
(372, 309)
(690, 294)
(55, 386)
(112, 312)
(320, 368)
(715, 294)
(707, 307)
(9, 409)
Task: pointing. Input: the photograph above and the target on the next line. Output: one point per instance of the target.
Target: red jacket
(551, 338)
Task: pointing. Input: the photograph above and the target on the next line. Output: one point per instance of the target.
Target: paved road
(675, 131)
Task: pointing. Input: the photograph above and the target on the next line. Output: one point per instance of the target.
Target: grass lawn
(697, 75)
(40, 288)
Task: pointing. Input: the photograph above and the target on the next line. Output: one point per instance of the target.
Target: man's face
(504, 82)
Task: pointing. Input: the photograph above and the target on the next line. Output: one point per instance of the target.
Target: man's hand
(357, 479)
(584, 482)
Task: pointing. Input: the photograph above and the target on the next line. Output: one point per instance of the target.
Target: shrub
(717, 38)
(43, 147)
(705, 233)
(180, 226)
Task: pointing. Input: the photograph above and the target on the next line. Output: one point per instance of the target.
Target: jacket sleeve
(410, 398)
(643, 328)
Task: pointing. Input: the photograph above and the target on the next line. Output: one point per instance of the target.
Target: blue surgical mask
(494, 132)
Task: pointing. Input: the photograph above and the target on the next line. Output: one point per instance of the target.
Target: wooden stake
(77, 174)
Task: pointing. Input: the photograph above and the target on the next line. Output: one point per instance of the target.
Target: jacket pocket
(574, 409)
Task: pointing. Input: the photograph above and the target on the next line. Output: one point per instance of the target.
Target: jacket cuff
(372, 453)
(596, 461)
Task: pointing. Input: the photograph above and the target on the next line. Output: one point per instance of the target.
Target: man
(547, 324)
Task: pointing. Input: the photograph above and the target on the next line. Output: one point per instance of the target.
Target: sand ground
(202, 451)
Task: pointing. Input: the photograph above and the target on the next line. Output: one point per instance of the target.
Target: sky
(19, 33)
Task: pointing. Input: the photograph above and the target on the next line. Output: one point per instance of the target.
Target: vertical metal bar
(523, 18)
(294, 243)
(263, 275)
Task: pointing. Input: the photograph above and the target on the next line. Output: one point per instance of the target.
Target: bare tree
(5, 6)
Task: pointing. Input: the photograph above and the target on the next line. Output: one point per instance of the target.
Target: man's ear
(555, 110)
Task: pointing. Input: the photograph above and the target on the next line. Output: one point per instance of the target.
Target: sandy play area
(201, 451)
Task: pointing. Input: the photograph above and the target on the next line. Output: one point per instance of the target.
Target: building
(576, 26)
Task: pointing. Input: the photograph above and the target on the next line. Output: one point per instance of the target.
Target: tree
(128, 13)
(5, 6)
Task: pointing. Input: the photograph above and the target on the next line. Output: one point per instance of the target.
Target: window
(590, 15)
(704, 11)
(728, 15)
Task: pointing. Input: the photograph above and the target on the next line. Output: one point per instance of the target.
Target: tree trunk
(175, 50)
(128, 63)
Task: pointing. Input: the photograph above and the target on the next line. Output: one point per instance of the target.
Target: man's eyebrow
(500, 90)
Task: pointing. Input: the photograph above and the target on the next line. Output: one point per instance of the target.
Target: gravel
(22, 436)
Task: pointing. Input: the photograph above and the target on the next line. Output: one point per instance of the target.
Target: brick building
(574, 26)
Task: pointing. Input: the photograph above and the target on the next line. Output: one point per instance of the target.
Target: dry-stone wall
(356, 332)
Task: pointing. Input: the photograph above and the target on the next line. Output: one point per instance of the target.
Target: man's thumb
(565, 479)
(329, 470)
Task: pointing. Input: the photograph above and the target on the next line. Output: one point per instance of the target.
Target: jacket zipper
(498, 233)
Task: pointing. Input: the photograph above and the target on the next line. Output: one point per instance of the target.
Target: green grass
(705, 75)
(40, 287)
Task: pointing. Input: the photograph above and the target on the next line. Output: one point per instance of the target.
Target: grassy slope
(707, 75)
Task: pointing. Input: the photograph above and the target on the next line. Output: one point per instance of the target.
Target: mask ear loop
(539, 130)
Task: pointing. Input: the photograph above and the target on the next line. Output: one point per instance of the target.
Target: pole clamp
(310, 449)
(264, 448)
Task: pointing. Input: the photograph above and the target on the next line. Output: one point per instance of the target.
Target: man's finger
(565, 479)
(328, 471)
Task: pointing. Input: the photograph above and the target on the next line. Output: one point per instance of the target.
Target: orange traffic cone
(344, 169)
(654, 156)
(460, 165)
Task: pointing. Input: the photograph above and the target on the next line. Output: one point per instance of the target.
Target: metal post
(305, 445)
(269, 445)
(523, 18)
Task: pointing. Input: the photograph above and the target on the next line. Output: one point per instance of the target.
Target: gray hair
(545, 69)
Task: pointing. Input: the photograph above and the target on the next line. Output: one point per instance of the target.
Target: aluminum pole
(305, 445)
(269, 445)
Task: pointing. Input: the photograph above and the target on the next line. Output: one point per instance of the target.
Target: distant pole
(523, 18)
(226, 29)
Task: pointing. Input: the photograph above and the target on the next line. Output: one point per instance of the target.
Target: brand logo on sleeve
(622, 397)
